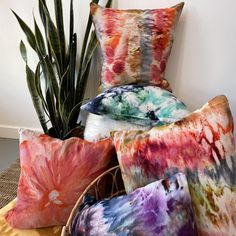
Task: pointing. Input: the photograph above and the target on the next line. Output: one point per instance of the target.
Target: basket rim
(67, 228)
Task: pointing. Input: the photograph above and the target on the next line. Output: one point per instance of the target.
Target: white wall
(201, 65)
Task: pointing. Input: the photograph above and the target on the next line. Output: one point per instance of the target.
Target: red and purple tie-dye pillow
(201, 145)
(135, 44)
(54, 173)
(161, 208)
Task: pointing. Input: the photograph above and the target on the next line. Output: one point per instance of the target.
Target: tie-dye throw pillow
(201, 145)
(54, 173)
(142, 105)
(161, 208)
(135, 44)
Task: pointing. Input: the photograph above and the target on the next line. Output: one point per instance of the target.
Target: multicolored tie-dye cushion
(142, 105)
(135, 44)
(54, 173)
(161, 208)
(202, 145)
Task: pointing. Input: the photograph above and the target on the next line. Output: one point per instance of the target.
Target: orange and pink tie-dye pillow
(54, 173)
(135, 44)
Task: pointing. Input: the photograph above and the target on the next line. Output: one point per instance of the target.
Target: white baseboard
(11, 131)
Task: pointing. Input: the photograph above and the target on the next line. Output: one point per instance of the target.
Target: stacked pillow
(135, 47)
(135, 44)
(134, 107)
(202, 146)
(148, 211)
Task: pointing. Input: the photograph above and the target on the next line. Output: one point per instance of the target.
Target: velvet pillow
(54, 173)
(99, 127)
(135, 44)
(160, 208)
(142, 105)
(202, 145)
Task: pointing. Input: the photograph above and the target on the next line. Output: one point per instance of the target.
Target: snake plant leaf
(51, 77)
(73, 115)
(52, 112)
(28, 32)
(63, 88)
(65, 109)
(60, 28)
(41, 6)
(53, 39)
(30, 76)
(39, 89)
(71, 21)
(85, 40)
(23, 51)
(72, 67)
(39, 39)
(93, 43)
(109, 3)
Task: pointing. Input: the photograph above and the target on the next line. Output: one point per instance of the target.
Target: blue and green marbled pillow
(161, 208)
(142, 105)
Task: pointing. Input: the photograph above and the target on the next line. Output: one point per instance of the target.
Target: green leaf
(109, 3)
(93, 43)
(72, 68)
(82, 85)
(85, 40)
(60, 28)
(41, 6)
(29, 34)
(39, 89)
(53, 39)
(23, 51)
(74, 114)
(65, 109)
(63, 88)
(52, 112)
(51, 77)
(30, 76)
(39, 39)
(71, 22)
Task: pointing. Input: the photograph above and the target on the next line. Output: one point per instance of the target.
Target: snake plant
(56, 91)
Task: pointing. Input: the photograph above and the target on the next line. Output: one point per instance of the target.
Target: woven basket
(114, 187)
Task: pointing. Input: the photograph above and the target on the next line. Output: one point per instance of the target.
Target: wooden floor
(9, 152)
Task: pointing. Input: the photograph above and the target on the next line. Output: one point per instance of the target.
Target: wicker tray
(114, 187)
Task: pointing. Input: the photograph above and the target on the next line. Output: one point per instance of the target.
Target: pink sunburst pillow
(54, 173)
(135, 44)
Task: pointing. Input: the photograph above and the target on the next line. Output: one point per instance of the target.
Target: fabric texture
(99, 127)
(202, 145)
(54, 173)
(7, 230)
(161, 208)
(8, 183)
(141, 105)
(135, 44)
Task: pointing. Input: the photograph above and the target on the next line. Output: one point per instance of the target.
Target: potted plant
(56, 69)
(58, 165)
